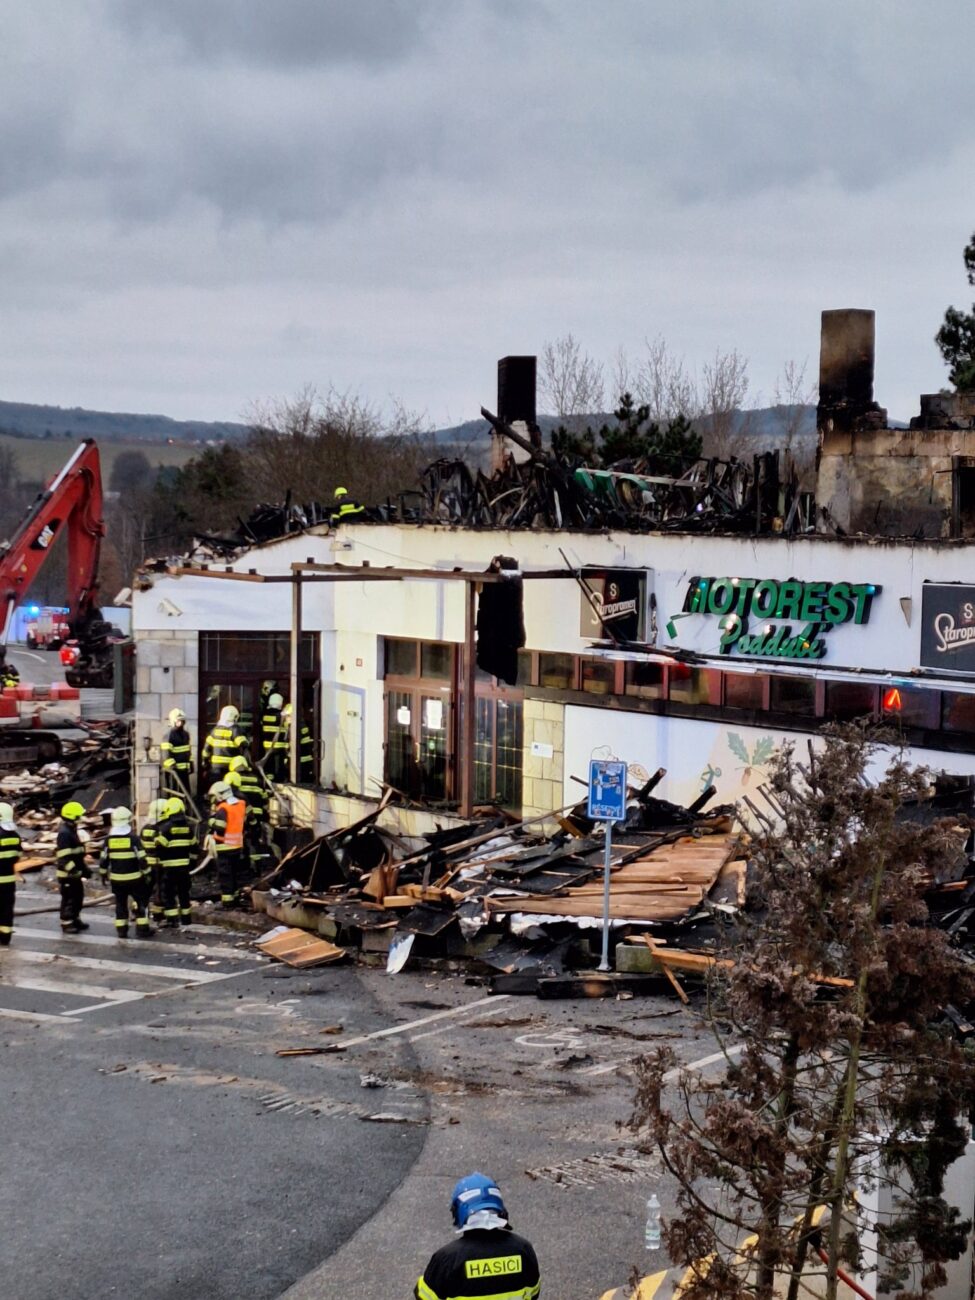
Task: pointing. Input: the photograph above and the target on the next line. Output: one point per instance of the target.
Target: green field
(38, 459)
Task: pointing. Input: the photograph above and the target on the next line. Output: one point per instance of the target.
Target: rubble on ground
(515, 896)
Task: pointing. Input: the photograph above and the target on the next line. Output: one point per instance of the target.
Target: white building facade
(736, 644)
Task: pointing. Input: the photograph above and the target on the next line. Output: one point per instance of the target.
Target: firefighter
(147, 838)
(176, 845)
(224, 743)
(123, 865)
(177, 759)
(274, 737)
(9, 853)
(227, 829)
(487, 1259)
(9, 675)
(72, 869)
(306, 749)
(251, 789)
(346, 509)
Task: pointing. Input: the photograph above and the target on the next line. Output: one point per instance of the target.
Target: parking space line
(394, 1030)
(72, 990)
(8, 1013)
(673, 1074)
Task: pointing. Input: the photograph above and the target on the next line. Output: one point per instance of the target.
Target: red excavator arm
(72, 503)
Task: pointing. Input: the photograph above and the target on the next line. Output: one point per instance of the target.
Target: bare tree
(665, 385)
(791, 394)
(571, 382)
(312, 444)
(724, 386)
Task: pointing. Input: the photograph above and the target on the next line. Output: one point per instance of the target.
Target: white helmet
(228, 715)
(219, 790)
(157, 810)
(6, 812)
(121, 816)
(176, 716)
(275, 701)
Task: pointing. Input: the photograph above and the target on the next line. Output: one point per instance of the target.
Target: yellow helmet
(156, 810)
(240, 763)
(233, 780)
(341, 492)
(174, 805)
(73, 811)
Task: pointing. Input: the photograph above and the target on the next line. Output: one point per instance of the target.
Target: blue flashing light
(34, 609)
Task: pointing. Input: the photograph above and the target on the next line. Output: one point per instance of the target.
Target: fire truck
(45, 627)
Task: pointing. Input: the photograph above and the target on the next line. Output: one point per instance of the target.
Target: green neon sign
(817, 606)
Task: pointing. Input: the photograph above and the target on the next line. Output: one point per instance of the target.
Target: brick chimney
(846, 362)
(516, 406)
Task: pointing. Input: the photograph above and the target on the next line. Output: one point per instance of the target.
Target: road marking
(8, 1013)
(128, 945)
(673, 1074)
(551, 1039)
(73, 990)
(188, 976)
(28, 654)
(393, 1030)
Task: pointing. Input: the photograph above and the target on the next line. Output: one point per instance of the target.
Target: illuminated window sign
(763, 618)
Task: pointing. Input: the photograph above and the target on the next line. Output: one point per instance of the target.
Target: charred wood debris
(552, 491)
(93, 769)
(522, 906)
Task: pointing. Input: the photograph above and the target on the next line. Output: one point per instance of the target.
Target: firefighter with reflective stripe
(487, 1260)
(176, 845)
(306, 748)
(227, 830)
(72, 869)
(274, 737)
(251, 789)
(224, 743)
(177, 755)
(346, 508)
(123, 865)
(147, 838)
(9, 854)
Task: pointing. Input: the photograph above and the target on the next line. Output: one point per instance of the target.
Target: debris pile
(516, 899)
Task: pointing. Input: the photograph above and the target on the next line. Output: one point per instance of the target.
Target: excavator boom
(72, 504)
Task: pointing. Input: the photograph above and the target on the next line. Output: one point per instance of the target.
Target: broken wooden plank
(298, 948)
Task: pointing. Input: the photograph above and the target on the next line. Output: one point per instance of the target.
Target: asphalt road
(40, 667)
(155, 1145)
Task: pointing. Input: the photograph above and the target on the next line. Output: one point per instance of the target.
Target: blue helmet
(473, 1193)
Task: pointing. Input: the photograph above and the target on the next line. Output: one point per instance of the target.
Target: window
(744, 691)
(420, 718)
(846, 701)
(497, 751)
(911, 706)
(648, 681)
(958, 712)
(401, 658)
(694, 685)
(556, 671)
(598, 676)
(244, 669)
(793, 695)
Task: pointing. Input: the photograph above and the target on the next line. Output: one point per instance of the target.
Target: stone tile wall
(542, 778)
(166, 677)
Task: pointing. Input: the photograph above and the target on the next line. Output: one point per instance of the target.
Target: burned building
(692, 623)
(882, 481)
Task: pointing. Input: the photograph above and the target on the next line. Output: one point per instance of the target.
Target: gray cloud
(204, 203)
(283, 33)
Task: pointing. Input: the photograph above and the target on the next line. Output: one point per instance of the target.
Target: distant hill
(24, 420)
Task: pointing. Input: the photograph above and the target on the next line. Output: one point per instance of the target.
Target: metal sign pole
(604, 964)
(607, 803)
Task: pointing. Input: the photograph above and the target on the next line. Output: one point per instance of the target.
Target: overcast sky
(206, 203)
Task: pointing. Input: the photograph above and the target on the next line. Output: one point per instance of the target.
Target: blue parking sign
(607, 790)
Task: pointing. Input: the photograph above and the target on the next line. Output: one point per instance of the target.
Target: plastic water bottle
(652, 1232)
